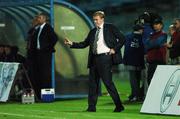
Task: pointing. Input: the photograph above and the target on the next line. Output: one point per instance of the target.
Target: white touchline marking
(33, 110)
(35, 116)
(85, 114)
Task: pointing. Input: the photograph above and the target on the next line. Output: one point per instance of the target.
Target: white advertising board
(163, 96)
(7, 76)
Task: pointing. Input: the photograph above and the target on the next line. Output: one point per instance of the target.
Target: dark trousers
(31, 63)
(41, 71)
(135, 78)
(151, 69)
(101, 68)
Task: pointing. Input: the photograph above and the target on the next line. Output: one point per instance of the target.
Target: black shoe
(119, 109)
(91, 110)
(133, 99)
(131, 96)
(136, 99)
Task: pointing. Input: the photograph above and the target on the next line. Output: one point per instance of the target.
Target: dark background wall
(123, 12)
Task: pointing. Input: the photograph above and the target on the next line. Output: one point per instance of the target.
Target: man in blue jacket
(134, 61)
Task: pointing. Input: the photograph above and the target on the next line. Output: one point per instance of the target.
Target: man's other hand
(112, 51)
(67, 41)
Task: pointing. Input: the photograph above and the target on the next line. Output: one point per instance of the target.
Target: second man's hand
(68, 42)
(112, 51)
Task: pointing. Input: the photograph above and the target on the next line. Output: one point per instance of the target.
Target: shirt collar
(101, 26)
(36, 27)
(42, 25)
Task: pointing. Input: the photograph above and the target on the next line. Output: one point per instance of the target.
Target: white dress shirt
(101, 45)
(39, 33)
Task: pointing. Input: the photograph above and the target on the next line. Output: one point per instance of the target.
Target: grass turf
(74, 109)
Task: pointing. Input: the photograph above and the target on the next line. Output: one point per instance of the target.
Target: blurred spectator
(11, 54)
(31, 37)
(175, 43)
(156, 48)
(16, 56)
(1, 53)
(8, 54)
(172, 33)
(134, 61)
(31, 53)
(146, 19)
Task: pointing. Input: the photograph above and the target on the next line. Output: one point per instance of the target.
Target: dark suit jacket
(47, 39)
(112, 36)
(31, 38)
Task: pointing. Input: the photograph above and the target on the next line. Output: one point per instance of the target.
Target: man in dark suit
(42, 46)
(105, 42)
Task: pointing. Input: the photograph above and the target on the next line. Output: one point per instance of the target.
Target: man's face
(177, 24)
(157, 26)
(98, 20)
(171, 31)
(41, 19)
(35, 21)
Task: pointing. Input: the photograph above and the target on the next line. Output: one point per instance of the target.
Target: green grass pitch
(75, 108)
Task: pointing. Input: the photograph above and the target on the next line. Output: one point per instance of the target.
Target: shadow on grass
(10, 102)
(159, 115)
(126, 102)
(69, 99)
(75, 111)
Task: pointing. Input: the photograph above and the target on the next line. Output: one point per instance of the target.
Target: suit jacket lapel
(93, 35)
(43, 29)
(105, 33)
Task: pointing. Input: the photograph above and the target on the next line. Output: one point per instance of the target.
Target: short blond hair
(99, 13)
